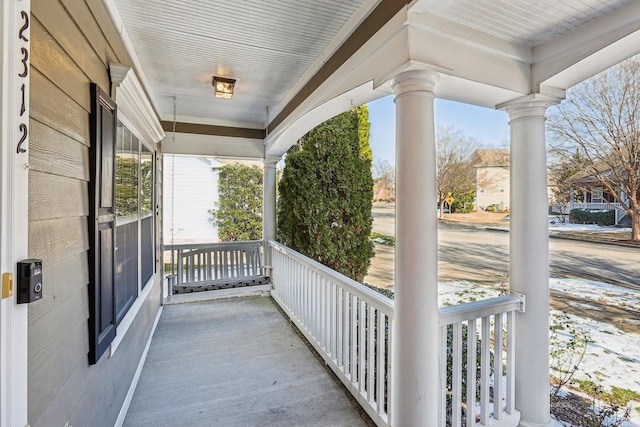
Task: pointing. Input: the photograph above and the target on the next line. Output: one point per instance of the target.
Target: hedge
(583, 216)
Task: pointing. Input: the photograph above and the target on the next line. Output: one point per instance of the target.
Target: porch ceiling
(266, 45)
(522, 22)
(277, 50)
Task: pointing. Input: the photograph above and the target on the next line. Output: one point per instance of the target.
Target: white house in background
(190, 191)
(492, 178)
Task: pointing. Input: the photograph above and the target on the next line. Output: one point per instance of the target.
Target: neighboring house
(381, 193)
(587, 192)
(190, 192)
(492, 178)
(89, 88)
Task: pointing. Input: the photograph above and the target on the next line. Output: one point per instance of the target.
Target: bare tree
(453, 155)
(561, 168)
(384, 177)
(601, 119)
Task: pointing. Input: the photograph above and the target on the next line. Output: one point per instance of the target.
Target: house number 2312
(24, 76)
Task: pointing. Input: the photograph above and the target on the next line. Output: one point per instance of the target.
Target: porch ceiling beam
(213, 145)
(369, 27)
(349, 85)
(587, 50)
(470, 61)
(215, 130)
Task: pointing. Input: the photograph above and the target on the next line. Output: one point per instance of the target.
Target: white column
(415, 333)
(269, 209)
(529, 256)
(14, 177)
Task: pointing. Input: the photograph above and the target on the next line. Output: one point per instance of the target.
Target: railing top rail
(358, 289)
(474, 310)
(595, 205)
(217, 245)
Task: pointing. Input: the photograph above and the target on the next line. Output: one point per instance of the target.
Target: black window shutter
(102, 326)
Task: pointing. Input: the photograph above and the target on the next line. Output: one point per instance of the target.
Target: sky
(489, 127)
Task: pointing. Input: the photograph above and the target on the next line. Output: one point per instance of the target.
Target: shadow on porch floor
(235, 362)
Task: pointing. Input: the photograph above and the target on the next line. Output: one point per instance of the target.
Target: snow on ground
(613, 356)
(556, 226)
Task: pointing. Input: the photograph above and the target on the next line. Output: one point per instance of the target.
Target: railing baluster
(380, 369)
(354, 339)
(334, 314)
(306, 304)
(346, 298)
(484, 371)
(324, 317)
(339, 323)
(239, 264)
(511, 376)
(456, 377)
(316, 308)
(370, 353)
(442, 407)
(361, 345)
(472, 343)
(390, 356)
(497, 366)
(326, 311)
(180, 266)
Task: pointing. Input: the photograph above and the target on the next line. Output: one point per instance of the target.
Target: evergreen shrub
(583, 216)
(326, 193)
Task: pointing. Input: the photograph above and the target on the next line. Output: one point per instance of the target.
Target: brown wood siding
(72, 43)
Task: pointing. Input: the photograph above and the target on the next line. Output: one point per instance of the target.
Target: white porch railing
(486, 395)
(596, 206)
(347, 323)
(351, 326)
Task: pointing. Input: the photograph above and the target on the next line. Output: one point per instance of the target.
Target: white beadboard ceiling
(266, 45)
(273, 46)
(526, 22)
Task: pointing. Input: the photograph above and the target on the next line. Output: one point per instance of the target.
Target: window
(502, 190)
(482, 191)
(121, 224)
(134, 218)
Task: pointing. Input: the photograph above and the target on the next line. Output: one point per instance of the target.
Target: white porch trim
(529, 255)
(269, 209)
(14, 215)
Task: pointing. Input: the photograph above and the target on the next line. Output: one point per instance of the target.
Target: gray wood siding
(72, 43)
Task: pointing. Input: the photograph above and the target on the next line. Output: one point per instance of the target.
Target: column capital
(271, 161)
(415, 81)
(533, 105)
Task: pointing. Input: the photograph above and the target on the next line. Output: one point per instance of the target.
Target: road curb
(574, 238)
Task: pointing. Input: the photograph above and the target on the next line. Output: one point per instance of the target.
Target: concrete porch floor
(236, 362)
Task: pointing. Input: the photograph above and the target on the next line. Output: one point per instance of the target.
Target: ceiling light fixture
(223, 87)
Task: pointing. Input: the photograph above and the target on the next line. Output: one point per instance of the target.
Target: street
(482, 255)
(472, 253)
(479, 255)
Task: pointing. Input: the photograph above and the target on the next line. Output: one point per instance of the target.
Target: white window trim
(136, 112)
(132, 313)
(133, 104)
